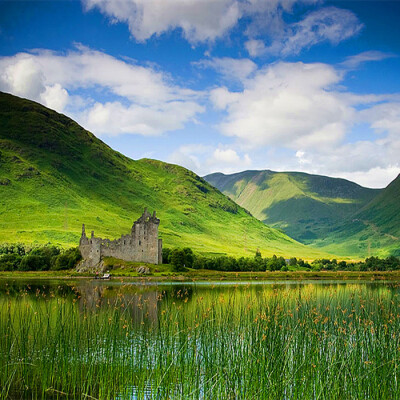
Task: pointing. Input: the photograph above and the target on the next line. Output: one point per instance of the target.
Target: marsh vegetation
(206, 340)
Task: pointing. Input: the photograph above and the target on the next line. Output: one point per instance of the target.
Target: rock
(85, 266)
(143, 270)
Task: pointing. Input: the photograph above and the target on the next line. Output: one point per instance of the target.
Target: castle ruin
(141, 245)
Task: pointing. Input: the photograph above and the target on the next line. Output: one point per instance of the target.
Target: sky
(219, 85)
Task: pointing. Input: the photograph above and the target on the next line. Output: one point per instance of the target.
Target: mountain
(302, 205)
(334, 215)
(55, 175)
(384, 210)
(372, 230)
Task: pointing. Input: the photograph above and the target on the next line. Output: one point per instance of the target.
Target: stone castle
(141, 245)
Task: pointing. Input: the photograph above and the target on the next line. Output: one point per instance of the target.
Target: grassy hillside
(384, 210)
(304, 206)
(375, 229)
(332, 214)
(54, 175)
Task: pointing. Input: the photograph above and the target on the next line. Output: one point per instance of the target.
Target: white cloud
(228, 156)
(199, 20)
(208, 20)
(148, 102)
(328, 24)
(303, 110)
(369, 163)
(23, 78)
(55, 97)
(376, 177)
(286, 104)
(206, 159)
(255, 47)
(373, 55)
(191, 156)
(383, 117)
(230, 68)
(150, 121)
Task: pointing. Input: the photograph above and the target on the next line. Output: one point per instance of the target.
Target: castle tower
(141, 245)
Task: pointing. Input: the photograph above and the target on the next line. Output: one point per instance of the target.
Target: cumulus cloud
(286, 104)
(199, 20)
(255, 47)
(304, 109)
(205, 159)
(114, 118)
(230, 68)
(372, 163)
(146, 102)
(208, 20)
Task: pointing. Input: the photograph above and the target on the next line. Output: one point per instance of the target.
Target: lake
(202, 340)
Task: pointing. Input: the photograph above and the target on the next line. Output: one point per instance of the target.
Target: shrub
(178, 259)
(10, 262)
(166, 254)
(67, 260)
(33, 262)
(189, 257)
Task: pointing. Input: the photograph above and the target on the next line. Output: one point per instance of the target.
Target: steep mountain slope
(384, 210)
(375, 229)
(304, 206)
(54, 175)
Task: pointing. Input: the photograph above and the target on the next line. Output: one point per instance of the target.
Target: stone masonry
(141, 245)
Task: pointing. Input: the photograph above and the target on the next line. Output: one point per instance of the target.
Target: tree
(293, 262)
(66, 260)
(166, 254)
(275, 263)
(189, 257)
(178, 259)
(10, 262)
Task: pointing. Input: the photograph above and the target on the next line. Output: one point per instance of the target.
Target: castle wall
(141, 245)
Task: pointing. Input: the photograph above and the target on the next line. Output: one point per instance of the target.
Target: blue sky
(219, 85)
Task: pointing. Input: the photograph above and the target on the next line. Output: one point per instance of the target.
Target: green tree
(67, 260)
(189, 257)
(178, 260)
(10, 262)
(166, 255)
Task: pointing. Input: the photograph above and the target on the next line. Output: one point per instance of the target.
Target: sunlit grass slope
(335, 215)
(304, 206)
(373, 230)
(54, 176)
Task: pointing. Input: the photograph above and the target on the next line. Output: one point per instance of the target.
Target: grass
(331, 214)
(301, 342)
(55, 176)
(304, 206)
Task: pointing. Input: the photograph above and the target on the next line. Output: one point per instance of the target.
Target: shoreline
(209, 275)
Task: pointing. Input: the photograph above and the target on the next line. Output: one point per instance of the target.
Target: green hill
(374, 229)
(304, 206)
(384, 210)
(331, 214)
(54, 175)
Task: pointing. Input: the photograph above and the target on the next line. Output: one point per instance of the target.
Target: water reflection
(143, 302)
(199, 340)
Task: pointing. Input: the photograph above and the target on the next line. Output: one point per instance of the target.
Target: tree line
(186, 258)
(17, 257)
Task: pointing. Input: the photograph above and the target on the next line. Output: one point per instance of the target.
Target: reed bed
(267, 342)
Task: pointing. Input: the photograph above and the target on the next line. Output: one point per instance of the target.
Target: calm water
(237, 340)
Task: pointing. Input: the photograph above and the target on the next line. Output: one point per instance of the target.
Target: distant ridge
(331, 213)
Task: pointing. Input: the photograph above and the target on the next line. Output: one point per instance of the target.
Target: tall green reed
(256, 342)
